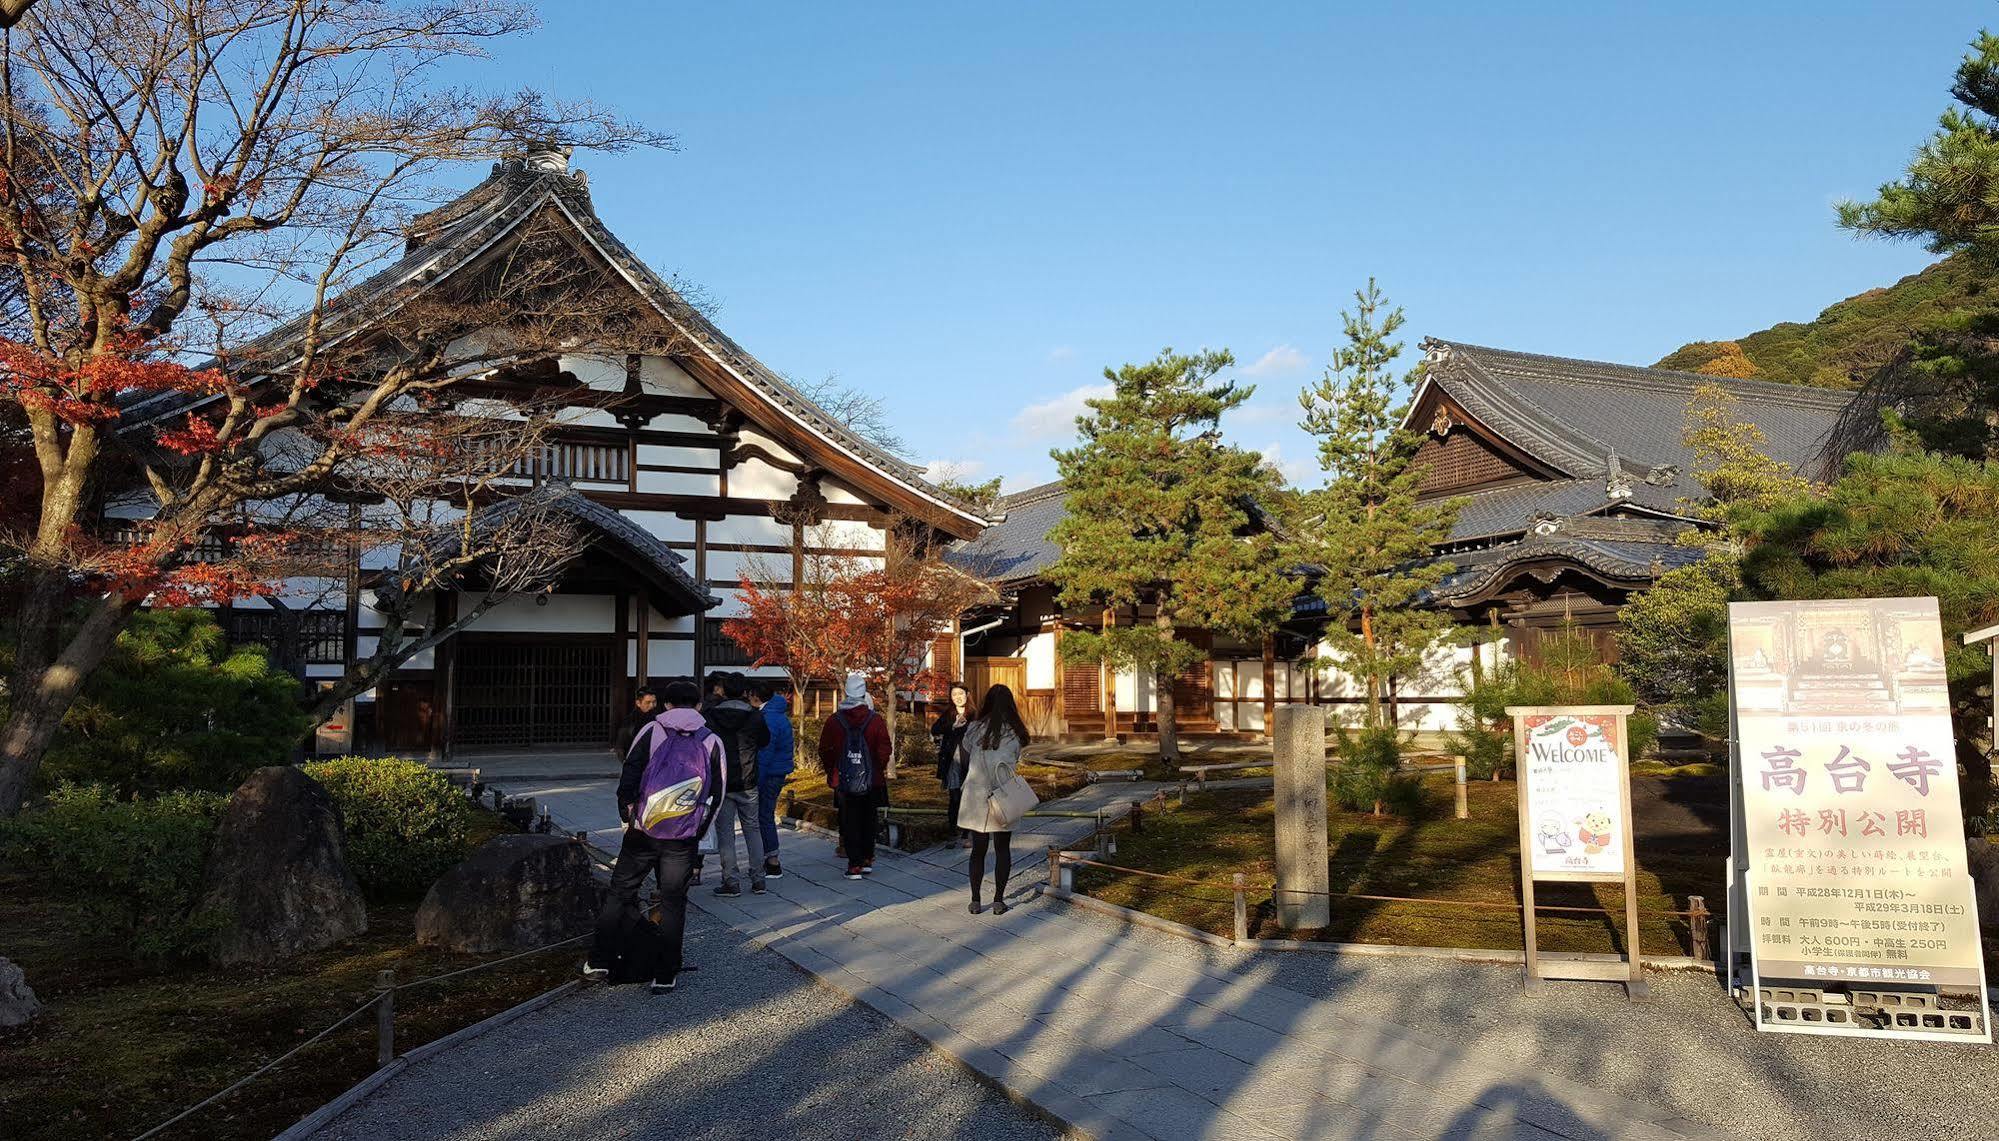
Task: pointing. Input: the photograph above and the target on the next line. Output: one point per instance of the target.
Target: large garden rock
(278, 871)
(18, 1004)
(514, 893)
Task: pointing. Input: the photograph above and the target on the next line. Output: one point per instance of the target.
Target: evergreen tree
(1946, 381)
(1161, 514)
(1364, 529)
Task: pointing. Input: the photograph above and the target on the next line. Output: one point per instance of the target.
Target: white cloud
(1056, 418)
(1296, 472)
(1061, 353)
(1280, 361)
(961, 471)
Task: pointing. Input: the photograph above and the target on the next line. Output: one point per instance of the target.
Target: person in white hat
(854, 753)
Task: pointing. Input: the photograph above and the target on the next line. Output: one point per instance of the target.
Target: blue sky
(971, 210)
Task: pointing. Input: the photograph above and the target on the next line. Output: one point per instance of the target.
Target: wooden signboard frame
(1541, 967)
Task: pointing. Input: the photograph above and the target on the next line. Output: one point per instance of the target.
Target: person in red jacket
(854, 753)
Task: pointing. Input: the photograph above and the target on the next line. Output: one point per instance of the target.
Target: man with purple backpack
(673, 781)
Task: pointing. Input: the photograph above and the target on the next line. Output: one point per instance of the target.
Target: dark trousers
(957, 798)
(672, 862)
(1002, 845)
(857, 827)
(769, 787)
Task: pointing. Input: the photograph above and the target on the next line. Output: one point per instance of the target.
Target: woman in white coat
(992, 748)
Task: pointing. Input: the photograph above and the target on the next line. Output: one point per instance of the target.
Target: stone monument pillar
(1298, 748)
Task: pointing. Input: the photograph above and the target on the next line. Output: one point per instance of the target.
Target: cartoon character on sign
(1578, 736)
(1594, 831)
(1554, 840)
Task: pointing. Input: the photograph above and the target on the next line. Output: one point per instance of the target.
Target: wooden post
(1054, 869)
(1269, 684)
(1110, 682)
(385, 1018)
(1697, 915)
(1137, 817)
(643, 657)
(1241, 910)
(1464, 809)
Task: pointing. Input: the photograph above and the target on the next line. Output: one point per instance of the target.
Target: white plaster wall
(668, 659)
(760, 530)
(838, 492)
(662, 377)
(588, 418)
(679, 483)
(675, 456)
(1040, 654)
(755, 479)
(564, 614)
(663, 525)
(678, 422)
(769, 444)
(597, 370)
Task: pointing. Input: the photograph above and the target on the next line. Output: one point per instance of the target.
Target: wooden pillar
(701, 620)
(621, 636)
(1110, 682)
(1269, 684)
(445, 674)
(644, 654)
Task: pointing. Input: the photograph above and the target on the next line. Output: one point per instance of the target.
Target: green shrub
(1366, 775)
(134, 865)
(175, 707)
(406, 825)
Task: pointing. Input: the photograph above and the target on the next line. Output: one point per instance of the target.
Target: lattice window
(1462, 459)
(721, 649)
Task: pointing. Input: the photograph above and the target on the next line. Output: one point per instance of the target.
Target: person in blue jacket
(774, 764)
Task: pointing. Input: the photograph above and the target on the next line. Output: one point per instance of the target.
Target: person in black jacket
(948, 732)
(744, 733)
(645, 705)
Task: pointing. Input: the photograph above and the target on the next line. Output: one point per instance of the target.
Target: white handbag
(1009, 800)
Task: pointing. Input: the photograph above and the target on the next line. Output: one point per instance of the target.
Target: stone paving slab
(1118, 1037)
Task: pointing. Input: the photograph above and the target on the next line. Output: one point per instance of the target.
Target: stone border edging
(1380, 950)
(320, 1118)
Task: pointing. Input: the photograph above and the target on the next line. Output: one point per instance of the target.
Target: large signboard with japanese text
(1850, 842)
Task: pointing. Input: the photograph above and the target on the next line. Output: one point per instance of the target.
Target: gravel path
(747, 1047)
(1689, 1049)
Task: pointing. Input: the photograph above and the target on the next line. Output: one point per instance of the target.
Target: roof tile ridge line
(1811, 393)
(1493, 396)
(1592, 452)
(908, 473)
(1035, 494)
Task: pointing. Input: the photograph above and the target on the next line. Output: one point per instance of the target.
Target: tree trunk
(1373, 674)
(894, 740)
(1162, 695)
(42, 697)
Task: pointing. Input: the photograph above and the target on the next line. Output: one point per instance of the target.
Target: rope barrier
(351, 1016)
(239, 1083)
(1471, 903)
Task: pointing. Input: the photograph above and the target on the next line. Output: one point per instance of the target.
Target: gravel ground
(1688, 1049)
(747, 1047)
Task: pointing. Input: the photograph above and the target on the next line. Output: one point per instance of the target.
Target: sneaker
(666, 987)
(596, 974)
(730, 889)
(772, 871)
(695, 879)
(868, 868)
(757, 887)
(854, 872)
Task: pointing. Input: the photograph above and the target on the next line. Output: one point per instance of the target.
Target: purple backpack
(674, 789)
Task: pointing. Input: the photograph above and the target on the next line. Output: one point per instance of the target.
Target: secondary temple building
(1573, 483)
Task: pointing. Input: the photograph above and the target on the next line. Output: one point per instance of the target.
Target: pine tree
(1160, 513)
(1364, 529)
(1946, 381)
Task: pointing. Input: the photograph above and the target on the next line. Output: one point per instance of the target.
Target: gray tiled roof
(1017, 548)
(631, 543)
(1571, 414)
(1509, 510)
(1633, 561)
(509, 194)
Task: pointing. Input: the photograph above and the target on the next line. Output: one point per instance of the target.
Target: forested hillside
(1852, 336)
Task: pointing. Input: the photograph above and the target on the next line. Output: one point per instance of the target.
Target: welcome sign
(1572, 775)
(1574, 793)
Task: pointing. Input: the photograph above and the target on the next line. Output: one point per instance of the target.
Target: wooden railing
(574, 462)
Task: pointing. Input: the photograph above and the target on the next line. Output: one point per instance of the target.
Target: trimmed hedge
(405, 824)
(134, 864)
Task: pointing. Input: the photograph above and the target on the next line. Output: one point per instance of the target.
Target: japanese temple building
(701, 461)
(1573, 484)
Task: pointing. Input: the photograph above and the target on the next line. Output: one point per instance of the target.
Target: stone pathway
(1122, 1036)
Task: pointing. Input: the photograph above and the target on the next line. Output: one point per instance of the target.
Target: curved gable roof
(1572, 414)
